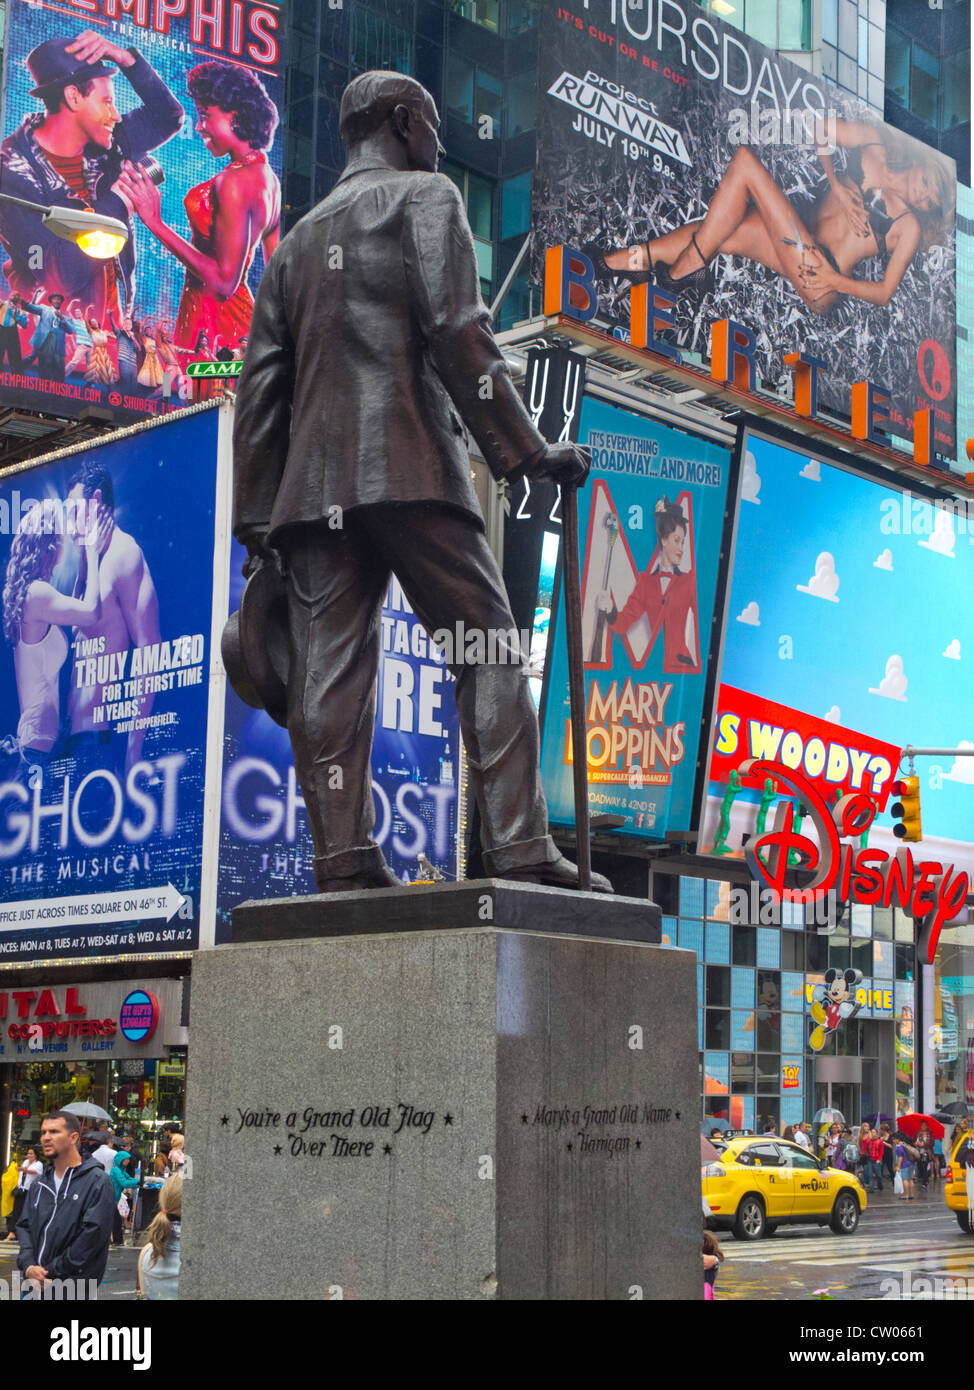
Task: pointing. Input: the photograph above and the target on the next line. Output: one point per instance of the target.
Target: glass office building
(754, 979)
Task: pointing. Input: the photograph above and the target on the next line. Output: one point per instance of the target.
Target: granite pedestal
(442, 1093)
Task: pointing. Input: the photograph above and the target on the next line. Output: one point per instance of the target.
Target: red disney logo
(930, 893)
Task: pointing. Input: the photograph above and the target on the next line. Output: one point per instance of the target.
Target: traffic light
(907, 809)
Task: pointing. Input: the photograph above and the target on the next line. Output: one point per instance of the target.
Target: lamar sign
(926, 890)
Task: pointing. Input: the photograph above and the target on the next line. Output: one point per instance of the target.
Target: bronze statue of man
(369, 342)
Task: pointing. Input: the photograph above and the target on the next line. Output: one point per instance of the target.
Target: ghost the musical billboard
(166, 120)
(107, 594)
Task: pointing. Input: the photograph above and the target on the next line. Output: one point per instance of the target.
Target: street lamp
(97, 236)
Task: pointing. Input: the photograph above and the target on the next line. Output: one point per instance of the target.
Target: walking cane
(576, 684)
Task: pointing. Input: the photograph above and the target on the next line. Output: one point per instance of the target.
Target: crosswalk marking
(838, 1250)
(920, 1258)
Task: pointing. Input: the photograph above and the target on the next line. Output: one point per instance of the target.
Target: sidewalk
(888, 1198)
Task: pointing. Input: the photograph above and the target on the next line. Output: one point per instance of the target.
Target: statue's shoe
(560, 874)
(357, 883)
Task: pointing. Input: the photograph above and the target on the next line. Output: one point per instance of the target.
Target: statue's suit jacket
(368, 329)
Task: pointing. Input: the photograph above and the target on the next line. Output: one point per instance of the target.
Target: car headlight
(713, 1170)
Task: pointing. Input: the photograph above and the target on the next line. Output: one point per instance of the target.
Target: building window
(897, 65)
(761, 21)
(776, 26)
(488, 99)
(516, 206)
(718, 986)
(848, 28)
(521, 15)
(478, 199)
(956, 90)
(459, 90)
(848, 73)
(718, 1029)
(486, 13)
(377, 44)
(472, 94)
(497, 16)
(521, 104)
(924, 84)
(301, 67)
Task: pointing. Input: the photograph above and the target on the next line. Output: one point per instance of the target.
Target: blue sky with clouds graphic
(881, 622)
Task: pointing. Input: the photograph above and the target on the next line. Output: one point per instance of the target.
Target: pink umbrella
(708, 1154)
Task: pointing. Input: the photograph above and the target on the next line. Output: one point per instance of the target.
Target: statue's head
(391, 108)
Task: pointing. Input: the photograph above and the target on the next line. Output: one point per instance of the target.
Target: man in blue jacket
(67, 1218)
(70, 156)
(47, 346)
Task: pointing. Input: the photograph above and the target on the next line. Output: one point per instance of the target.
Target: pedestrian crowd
(874, 1153)
(66, 1211)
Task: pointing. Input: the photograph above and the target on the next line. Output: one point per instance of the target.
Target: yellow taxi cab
(758, 1184)
(955, 1186)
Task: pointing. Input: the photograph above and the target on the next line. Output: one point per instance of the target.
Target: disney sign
(928, 891)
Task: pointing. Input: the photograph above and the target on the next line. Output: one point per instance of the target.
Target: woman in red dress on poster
(230, 214)
(665, 594)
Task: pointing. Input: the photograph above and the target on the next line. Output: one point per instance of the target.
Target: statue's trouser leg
(336, 585)
(450, 577)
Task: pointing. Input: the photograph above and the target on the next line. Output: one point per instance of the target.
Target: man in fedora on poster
(369, 341)
(70, 155)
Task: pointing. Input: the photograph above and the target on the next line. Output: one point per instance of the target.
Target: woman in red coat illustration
(665, 594)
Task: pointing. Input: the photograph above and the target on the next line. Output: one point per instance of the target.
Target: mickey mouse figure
(832, 1004)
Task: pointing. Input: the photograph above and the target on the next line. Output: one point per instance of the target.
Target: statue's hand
(565, 463)
(255, 539)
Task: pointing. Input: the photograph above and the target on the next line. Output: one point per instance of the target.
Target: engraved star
(569, 1147)
(387, 1148)
(224, 1119)
(448, 1119)
(639, 1143)
(277, 1148)
(678, 1114)
(524, 1119)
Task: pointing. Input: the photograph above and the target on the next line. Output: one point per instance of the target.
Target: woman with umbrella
(834, 1145)
(923, 1130)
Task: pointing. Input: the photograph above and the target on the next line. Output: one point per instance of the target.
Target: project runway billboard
(170, 125)
(659, 124)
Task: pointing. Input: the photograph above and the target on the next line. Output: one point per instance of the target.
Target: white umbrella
(828, 1115)
(86, 1111)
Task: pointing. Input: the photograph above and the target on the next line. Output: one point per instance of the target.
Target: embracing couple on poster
(110, 607)
(79, 151)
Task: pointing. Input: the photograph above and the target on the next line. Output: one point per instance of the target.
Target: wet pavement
(897, 1246)
(903, 1250)
(119, 1283)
